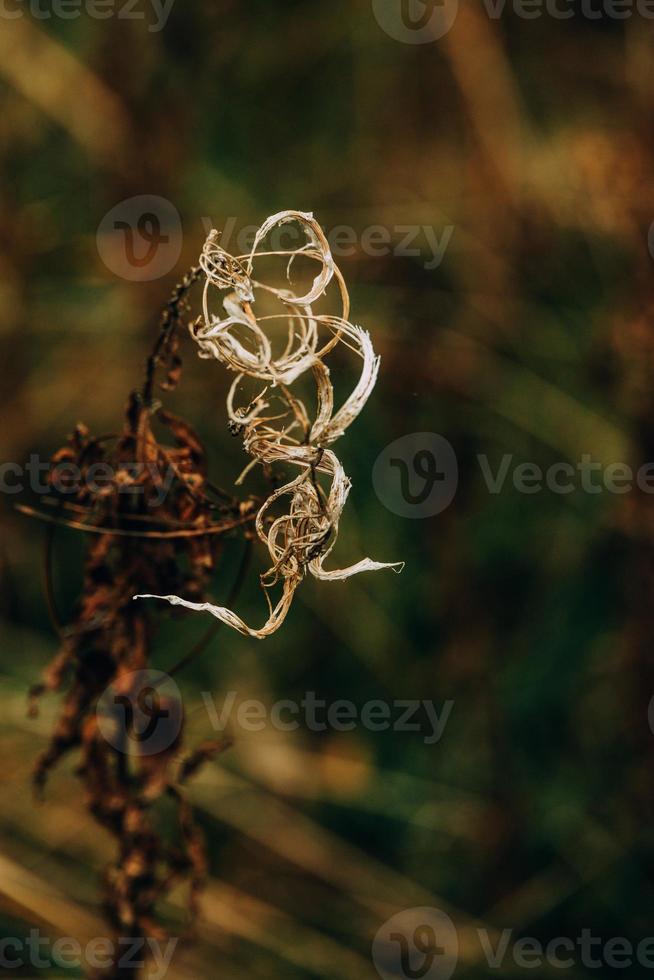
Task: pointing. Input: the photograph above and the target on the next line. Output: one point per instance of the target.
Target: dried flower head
(302, 537)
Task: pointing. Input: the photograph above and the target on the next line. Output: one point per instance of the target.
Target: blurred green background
(534, 140)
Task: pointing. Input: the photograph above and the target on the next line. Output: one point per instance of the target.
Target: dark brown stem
(170, 319)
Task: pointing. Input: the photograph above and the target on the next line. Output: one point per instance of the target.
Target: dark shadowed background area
(493, 191)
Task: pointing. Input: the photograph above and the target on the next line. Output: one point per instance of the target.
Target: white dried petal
(303, 537)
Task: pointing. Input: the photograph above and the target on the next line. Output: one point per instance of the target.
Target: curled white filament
(303, 536)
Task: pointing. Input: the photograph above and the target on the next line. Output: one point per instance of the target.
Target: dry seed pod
(303, 537)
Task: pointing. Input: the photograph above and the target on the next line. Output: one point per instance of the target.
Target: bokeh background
(534, 140)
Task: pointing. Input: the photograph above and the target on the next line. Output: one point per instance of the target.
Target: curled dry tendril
(304, 535)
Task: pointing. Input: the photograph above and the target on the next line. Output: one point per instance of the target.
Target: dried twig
(154, 520)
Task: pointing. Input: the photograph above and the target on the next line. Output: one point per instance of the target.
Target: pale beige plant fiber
(304, 535)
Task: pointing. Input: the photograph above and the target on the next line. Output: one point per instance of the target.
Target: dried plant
(157, 523)
(303, 537)
(156, 519)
